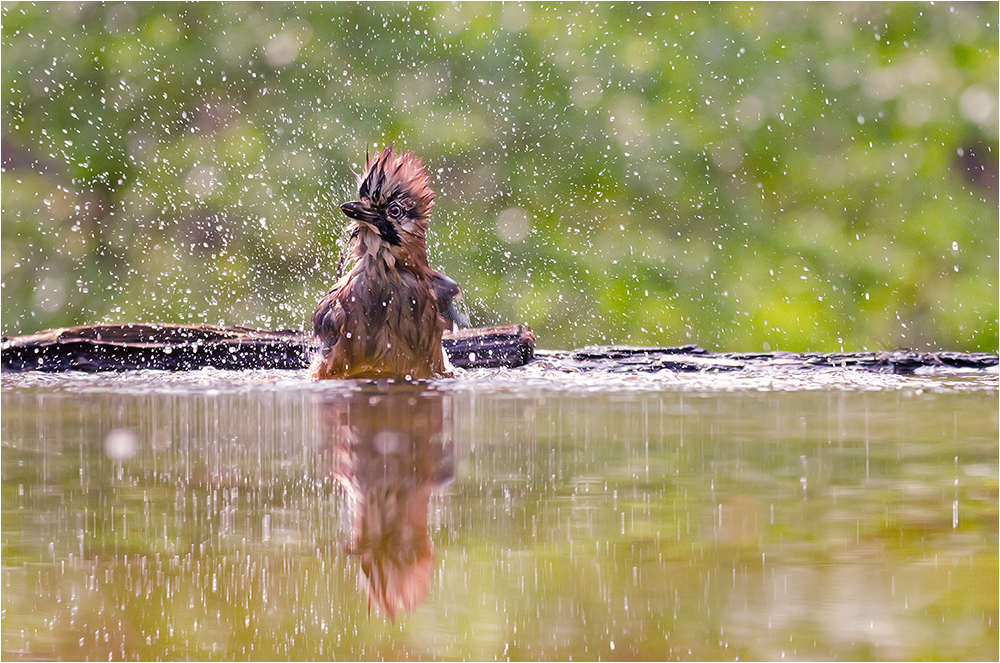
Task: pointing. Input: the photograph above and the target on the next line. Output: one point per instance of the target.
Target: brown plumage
(385, 316)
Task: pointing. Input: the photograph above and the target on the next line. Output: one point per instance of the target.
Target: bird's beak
(357, 211)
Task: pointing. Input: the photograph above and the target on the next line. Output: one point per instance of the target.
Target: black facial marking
(387, 229)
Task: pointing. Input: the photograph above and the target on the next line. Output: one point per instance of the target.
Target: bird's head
(395, 200)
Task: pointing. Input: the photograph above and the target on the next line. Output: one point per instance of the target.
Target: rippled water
(500, 515)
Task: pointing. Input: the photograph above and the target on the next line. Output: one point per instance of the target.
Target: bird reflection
(390, 451)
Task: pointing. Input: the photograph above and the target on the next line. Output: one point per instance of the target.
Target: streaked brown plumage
(384, 318)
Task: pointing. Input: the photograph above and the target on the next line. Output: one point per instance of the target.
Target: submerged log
(172, 347)
(189, 347)
(688, 358)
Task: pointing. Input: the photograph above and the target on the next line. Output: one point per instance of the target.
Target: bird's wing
(447, 292)
(328, 319)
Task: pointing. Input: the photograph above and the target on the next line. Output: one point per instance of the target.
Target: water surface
(500, 515)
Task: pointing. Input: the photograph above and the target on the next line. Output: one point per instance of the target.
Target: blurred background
(745, 177)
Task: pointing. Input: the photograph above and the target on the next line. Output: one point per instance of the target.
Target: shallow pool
(503, 514)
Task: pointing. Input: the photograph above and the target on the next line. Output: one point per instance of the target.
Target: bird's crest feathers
(396, 177)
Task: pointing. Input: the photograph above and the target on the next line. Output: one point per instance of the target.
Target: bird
(385, 315)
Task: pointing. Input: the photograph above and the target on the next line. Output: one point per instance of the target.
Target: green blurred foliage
(767, 176)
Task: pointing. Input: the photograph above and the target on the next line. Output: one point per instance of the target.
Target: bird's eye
(395, 211)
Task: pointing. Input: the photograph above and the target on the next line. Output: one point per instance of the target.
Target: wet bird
(385, 315)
